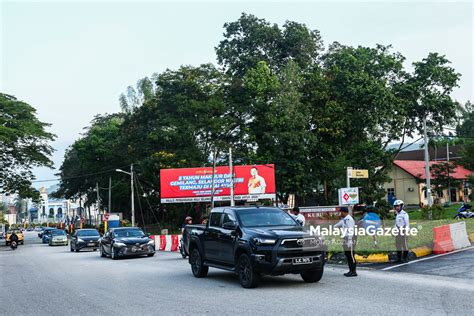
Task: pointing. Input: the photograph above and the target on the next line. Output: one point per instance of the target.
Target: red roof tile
(417, 169)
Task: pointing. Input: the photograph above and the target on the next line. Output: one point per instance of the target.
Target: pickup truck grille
(299, 243)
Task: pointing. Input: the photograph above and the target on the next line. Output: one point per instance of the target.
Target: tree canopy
(24, 144)
(277, 96)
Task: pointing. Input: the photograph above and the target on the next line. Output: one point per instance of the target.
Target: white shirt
(300, 219)
(348, 225)
(402, 220)
(257, 185)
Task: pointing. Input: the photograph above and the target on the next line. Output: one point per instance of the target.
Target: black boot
(399, 257)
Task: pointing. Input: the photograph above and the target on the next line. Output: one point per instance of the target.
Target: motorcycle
(464, 212)
(13, 245)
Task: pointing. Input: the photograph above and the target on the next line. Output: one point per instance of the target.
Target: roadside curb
(422, 251)
(384, 258)
(374, 258)
(471, 237)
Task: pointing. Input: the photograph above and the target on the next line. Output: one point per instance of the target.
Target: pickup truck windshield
(261, 217)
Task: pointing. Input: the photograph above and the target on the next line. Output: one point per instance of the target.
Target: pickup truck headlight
(119, 244)
(262, 241)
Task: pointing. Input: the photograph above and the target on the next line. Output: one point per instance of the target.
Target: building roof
(437, 154)
(417, 169)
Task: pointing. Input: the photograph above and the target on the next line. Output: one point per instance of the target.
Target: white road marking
(426, 258)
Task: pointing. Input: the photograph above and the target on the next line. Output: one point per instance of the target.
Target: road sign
(358, 173)
(348, 196)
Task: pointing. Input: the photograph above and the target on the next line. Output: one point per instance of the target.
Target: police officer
(298, 216)
(348, 225)
(403, 225)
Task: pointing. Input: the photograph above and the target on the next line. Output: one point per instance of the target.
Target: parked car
(254, 241)
(85, 239)
(38, 228)
(46, 234)
(57, 237)
(126, 242)
(18, 232)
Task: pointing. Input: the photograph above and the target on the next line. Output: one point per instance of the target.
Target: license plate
(91, 244)
(302, 260)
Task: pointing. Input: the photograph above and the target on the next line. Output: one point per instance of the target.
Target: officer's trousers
(401, 243)
(348, 246)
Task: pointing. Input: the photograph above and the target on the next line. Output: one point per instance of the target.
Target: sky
(72, 59)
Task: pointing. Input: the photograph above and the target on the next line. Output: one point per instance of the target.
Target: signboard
(195, 184)
(357, 173)
(348, 196)
(319, 212)
(360, 173)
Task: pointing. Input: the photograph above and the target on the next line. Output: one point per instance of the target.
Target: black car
(85, 239)
(126, 242)
(254, 241)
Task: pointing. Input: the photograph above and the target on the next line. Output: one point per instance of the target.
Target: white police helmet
(398, 202)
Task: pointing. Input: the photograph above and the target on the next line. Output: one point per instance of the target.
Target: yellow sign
(360, 173)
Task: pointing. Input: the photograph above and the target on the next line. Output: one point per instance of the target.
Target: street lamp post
(131, 185)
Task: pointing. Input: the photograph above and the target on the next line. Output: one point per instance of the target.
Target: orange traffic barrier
(442, 242)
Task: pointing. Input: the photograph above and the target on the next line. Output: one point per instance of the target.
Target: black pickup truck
(254, 241)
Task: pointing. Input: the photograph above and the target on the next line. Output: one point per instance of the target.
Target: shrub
(436, 210)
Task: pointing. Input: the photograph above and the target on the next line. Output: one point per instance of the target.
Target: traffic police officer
(348, 226)
(402, 223)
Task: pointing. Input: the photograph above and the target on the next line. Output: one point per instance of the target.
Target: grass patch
(386, 244)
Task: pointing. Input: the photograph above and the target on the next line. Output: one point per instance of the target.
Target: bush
(436, 210)
(383, 209)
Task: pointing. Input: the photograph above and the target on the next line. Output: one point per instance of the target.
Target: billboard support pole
(213, 173)
(232, 203)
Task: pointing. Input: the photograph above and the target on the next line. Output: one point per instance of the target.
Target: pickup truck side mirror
(229, 225)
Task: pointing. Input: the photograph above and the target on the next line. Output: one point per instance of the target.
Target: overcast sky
(71, 60)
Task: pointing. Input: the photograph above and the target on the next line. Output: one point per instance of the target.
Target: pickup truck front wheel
(247, 276)
(312, 276)
(197, 266)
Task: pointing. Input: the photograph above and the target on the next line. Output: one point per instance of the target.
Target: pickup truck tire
(101, 250)
(248, 278)
(197, 267)
(312, 276)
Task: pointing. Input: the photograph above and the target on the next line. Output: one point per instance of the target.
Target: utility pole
(449, 184)
(98, 197)
(213, 174)
(427, 167)
(133, 199)
(110, 195)
(348, 175)
(131, 185)
(231, 171)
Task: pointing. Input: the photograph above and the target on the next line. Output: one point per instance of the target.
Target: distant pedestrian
(348, 226)
(298, 216)
(370, 221)
(402, 223)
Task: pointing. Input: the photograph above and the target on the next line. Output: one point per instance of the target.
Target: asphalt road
(40, 280)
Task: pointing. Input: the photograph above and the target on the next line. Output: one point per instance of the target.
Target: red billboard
(195, 184)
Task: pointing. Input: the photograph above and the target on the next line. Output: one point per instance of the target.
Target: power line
(81, 176)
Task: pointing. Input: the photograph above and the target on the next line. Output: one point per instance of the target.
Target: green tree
(24, 144)
(442, 176)
(250, 40)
